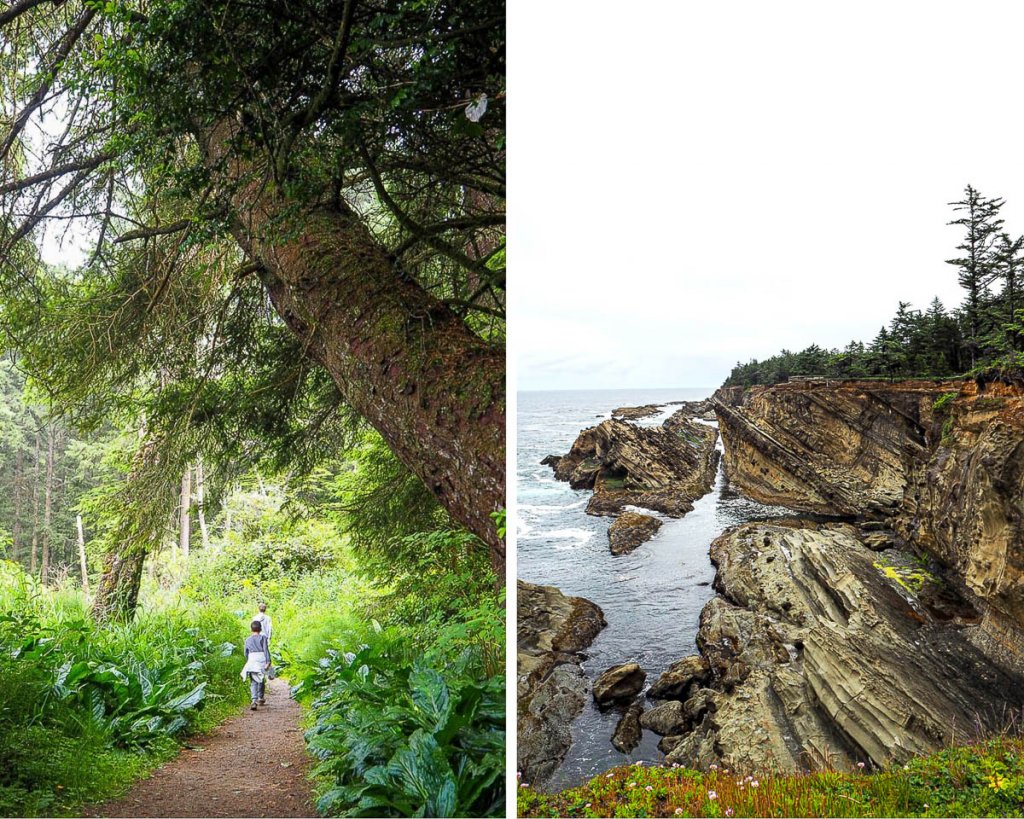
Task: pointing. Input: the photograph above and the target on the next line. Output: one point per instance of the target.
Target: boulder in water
(620, 682)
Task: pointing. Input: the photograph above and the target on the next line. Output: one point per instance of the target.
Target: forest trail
(254, 764)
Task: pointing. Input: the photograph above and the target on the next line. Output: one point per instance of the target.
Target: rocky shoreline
(662, 469)
(890, 625)
(551, 688)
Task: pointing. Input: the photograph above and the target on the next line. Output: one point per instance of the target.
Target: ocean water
(651, 598)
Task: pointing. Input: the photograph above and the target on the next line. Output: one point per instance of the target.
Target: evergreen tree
(976, 266)
(1008, 267)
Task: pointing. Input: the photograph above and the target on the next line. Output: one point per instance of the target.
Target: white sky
(694, 183)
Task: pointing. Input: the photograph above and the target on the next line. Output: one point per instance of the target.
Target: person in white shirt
(264, 620)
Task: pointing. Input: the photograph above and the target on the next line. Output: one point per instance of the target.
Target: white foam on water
(581, 536)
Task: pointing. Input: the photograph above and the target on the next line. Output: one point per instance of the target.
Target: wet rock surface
(620, 682)
(551, 688)
(636, 413)
(818, 656)
(661, 468)
(628, 730)
(630, 530)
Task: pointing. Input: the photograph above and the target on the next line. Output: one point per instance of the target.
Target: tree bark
(185, 515)
(35, 510)
(201, 504)
(16, 525)
(81, 554)
(401, 358)
(47, 506)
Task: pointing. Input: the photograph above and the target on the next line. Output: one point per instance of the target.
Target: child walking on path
(257, 661)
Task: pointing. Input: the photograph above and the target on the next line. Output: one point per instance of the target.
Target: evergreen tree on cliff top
(301, 201)
(977, 265)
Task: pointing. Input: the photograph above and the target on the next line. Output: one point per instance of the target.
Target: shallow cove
(652, 598)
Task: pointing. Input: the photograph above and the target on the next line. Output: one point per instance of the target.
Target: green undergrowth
(85, 709)
(985, 779)
(396, 657)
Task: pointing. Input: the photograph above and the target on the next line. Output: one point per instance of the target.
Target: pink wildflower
(712, 795)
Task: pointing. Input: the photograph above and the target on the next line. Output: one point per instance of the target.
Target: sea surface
(652, 598)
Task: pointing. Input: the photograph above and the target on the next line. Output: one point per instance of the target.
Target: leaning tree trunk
(401, 358)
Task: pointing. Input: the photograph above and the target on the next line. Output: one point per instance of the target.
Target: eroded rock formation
(822, 653)
(661, 468)
(551, 688)
(941, 463)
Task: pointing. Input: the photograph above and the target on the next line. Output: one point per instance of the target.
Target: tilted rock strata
(843, 450)
(949, 481)
(551, 687)
(965, 505)
(819, 659)
(661, 468)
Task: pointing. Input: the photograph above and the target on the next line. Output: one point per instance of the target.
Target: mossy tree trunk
(401, 358)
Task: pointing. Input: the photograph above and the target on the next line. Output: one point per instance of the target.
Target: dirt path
(252, 765)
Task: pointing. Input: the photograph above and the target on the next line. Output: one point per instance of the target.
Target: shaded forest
(252, 349)
(983, 336)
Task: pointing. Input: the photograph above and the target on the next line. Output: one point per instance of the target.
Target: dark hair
(256, 625)
(263, 607)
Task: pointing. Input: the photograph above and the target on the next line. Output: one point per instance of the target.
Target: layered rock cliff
(941, 463)
(890, 633)
(822, 652)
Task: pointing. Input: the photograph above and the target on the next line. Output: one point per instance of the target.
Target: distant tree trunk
(117, 594)
(33, 561)
(81, 554)
(201, 503)
(185, 517)
(401, 358)
(227, 520)
(16, 527)
(48, 505)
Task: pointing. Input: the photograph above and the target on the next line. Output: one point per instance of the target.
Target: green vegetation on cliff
(974, 780)
(984, 334)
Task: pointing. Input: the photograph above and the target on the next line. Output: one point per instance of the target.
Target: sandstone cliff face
(835, 450)
(964, 504)
(948, 480)
(551, 688)
(821, 657)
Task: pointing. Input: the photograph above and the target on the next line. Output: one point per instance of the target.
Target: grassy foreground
(986, 779)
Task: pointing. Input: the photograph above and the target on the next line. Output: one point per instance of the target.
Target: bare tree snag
(201, 504)
(47, 505)
(81, 554)
(185, 513)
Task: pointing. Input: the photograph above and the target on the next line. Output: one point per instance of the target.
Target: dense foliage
(396, 647)
(985, 335)
(972, 780)
(400, 736)
(116, 696)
